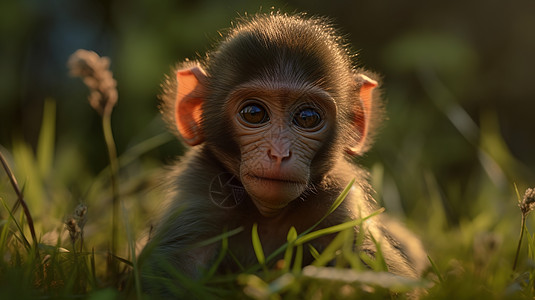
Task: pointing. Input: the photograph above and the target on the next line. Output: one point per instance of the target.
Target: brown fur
(275, 52)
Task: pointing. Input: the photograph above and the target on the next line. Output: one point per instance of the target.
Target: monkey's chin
(267, 211)
(270, 196)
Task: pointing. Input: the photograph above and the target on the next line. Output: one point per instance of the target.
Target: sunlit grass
(476, 254)
(58, 269)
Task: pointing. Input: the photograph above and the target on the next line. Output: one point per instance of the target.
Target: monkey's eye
(254, 114)
(307, 118)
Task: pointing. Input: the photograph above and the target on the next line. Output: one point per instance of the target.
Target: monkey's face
(279, 130)
(265, 107)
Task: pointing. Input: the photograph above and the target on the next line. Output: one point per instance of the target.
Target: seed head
(74, 230)
(94, 71)
(75, 223)
(80, 215)
(528, 202)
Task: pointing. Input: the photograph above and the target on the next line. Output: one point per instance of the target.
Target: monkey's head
(277, 103)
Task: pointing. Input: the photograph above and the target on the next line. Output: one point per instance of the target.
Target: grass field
(68, 233)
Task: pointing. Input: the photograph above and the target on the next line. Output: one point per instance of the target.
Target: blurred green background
(458, 79)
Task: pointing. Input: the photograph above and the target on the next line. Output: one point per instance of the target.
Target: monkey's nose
(279, 155)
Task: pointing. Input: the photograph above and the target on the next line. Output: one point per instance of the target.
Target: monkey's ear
(362, 112)
(188, 106)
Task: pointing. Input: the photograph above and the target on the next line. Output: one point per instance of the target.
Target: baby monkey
(274, 116)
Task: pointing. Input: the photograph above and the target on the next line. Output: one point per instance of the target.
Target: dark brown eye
(307, 118)
(254, 114)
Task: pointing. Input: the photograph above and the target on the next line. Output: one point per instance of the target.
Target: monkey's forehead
(248, 58)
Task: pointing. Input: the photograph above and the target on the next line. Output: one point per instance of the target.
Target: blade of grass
(367, 260)
(531, 250)
(313, 251)
(392, 282)
(353, 259)
(132, 248)
(33, 187)
(330, 251)
(257, 245)
(336, 228)
(349, 254)
(45, 145)
(435, 269)
(219, 259)
(298, 260)
(123, 260)
(379, 257)
(5, 232)
(24, 239)
(20, 199)
(291, 237)
(520, 238)
(218, 238)
(236, 261)
(93, 268)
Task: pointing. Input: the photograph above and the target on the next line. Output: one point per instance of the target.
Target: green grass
(473, 259)
(480, 244)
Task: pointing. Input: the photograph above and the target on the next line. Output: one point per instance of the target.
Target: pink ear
(362, 109)
(188, 107)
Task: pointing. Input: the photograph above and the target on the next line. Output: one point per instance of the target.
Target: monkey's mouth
(276, 180)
